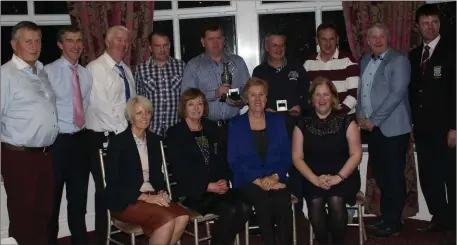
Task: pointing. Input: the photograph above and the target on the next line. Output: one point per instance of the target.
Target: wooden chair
(132, 230)
(293, 201)
(360, 202)
(194, 217)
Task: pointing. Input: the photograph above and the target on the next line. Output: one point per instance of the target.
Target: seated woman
(259, 154)
(200, 168)
(326, 149)
(135, 191)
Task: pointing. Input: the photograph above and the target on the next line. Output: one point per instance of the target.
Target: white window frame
(245, 12)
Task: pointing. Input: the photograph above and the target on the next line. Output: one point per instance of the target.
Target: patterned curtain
(94, 18)
(404, 36)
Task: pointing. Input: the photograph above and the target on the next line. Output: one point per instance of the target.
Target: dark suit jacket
(242, 155)
(432, 94)
(187, 162)
(124, 174)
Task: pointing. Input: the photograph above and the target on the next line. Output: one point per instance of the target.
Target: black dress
(325, 151)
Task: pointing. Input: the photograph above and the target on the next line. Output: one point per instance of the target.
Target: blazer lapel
(363, 64)
(271, 134)
(189, 137)
(436, 52)
(132, 145)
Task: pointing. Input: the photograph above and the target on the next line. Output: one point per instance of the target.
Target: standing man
(432, 92)
(336, 65)
(383, 110)
(159, 79)
(28, 125)
(72, 84)
(204, 72)
(112, 86)
(288, 87)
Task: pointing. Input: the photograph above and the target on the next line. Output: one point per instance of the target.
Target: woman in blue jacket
(259, 154)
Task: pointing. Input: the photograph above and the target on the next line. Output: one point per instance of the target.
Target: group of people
(300, 134)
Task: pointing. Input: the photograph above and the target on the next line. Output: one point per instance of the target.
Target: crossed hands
(219, 187)
(161, 199)
(269, 183)
(326, 181)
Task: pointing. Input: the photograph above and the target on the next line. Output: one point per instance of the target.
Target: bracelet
(341, 176)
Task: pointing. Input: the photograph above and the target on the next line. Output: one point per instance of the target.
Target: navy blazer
(242, 155)
(124, 174)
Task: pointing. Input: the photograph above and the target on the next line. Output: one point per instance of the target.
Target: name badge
(234, 94)
(281, 105)
(437, 71)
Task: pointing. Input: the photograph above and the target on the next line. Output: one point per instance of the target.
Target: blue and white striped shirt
(204, 73)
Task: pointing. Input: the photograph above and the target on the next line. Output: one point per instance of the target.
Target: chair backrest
(165, 170)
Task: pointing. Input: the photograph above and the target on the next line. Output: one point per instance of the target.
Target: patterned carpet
(408, 236)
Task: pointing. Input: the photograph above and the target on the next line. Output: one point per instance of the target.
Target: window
(199, 4)
(57, 7)
(300, 28)
(190, 35)
(49, 49)
(162, 5)
(337, 18)
(167, 27)
(13, 8)
(267, 2)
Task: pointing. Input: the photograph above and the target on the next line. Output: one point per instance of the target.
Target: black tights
(337, 218)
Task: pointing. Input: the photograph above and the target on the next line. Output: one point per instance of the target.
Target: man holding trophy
(221, 76)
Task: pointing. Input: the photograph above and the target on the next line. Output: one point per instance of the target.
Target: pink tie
(78, 111)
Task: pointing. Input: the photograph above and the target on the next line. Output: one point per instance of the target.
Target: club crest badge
(437, 71)
(293, 75)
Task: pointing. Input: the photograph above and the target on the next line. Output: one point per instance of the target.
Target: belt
(221, 123)
(74, 133)
(23, 148)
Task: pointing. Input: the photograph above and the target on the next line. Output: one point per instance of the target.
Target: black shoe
(375, 225)
(384, 232)
(432, 227)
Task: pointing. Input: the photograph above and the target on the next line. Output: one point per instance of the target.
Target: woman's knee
(181, 220)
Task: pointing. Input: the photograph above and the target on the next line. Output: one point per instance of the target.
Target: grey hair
(111, 30)
(381, 26)
(145, 102)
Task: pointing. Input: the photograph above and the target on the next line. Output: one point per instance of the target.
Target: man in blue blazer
(383, 110)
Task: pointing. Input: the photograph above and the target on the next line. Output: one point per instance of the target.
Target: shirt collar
(434, 42)
(335, 55)
(64, 62)
(110, 60)
(153, 62)
(279, 68)
(224, 59)
(381, 56)
(21, 64)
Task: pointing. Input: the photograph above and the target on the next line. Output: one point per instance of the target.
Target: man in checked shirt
(159, 80)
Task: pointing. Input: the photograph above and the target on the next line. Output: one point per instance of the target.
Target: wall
(90, 216)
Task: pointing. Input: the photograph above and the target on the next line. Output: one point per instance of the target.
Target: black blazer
(187, 163)
(432, 94)
(124, 175)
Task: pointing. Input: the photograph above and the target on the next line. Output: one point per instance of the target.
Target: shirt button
(364, 96)
(420, 90)
(420, 106)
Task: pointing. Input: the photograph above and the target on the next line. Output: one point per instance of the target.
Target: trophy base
(234, 96)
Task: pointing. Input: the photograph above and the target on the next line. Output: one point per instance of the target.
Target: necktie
(126, 83)
(425, 57)
(78, 111)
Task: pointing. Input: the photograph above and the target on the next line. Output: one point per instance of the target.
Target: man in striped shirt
(338, 66)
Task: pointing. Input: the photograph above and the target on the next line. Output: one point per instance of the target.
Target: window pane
(190, 32)
(198, 4)
(48, 7)
(162, 5)
(49, 49)
(337, 18)
(299, 28)
(17, 7)
(166, 26)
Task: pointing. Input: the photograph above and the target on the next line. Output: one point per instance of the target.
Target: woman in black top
(326, 149)
(199, 166)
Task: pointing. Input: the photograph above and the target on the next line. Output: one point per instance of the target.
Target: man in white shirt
(28, 127)
(113, 85)
(72, 84)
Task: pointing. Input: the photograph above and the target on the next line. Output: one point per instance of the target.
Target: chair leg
(208, 231)
(246, 241)
(196, 241)
(132, 238)
(311, 234)
(294, 226)
(361, 228)
(237, 239)
(108, 233)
